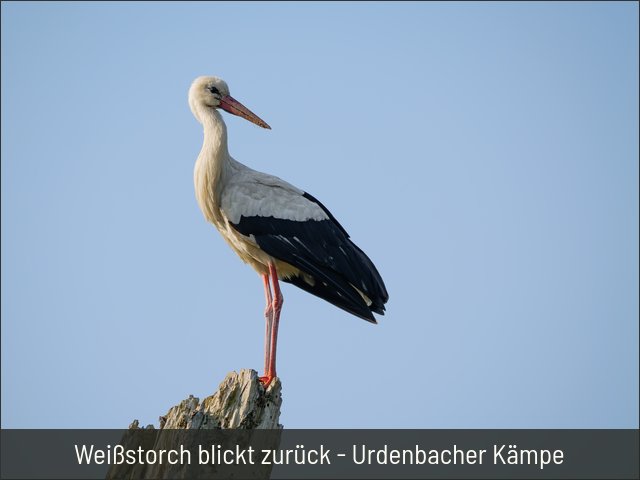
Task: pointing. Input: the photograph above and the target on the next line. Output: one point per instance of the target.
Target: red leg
(276, 307)
(268, 316)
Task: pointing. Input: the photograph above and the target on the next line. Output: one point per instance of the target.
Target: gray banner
(307, 454)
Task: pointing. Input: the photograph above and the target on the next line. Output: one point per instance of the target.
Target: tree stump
(241, 403)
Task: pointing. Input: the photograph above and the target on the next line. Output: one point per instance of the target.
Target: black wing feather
(322, 250)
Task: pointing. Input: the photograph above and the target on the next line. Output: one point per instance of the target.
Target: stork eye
(214, 90)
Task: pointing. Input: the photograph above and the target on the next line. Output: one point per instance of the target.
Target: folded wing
(297, 229)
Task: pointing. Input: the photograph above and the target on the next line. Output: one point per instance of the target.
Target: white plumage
(280, 230)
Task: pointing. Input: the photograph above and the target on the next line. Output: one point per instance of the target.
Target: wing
(294, 227)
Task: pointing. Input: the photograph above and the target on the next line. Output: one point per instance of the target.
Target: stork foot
(266, 380)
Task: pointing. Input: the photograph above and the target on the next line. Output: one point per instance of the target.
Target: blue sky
(484, 155)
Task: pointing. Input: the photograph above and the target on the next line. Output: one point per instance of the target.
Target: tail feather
(353, 304)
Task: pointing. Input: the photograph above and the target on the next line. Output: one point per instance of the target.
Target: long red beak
(231, 105)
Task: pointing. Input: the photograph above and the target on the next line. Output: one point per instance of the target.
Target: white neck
(215, 132)
(211, 164)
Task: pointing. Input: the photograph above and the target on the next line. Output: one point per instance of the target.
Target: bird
(283, 232)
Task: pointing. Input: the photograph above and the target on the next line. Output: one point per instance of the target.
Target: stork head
(207, 93)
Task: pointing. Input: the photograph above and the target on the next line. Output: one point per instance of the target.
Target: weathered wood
(241, 402)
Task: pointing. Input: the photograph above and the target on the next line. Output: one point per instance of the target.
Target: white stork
(281, 231)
